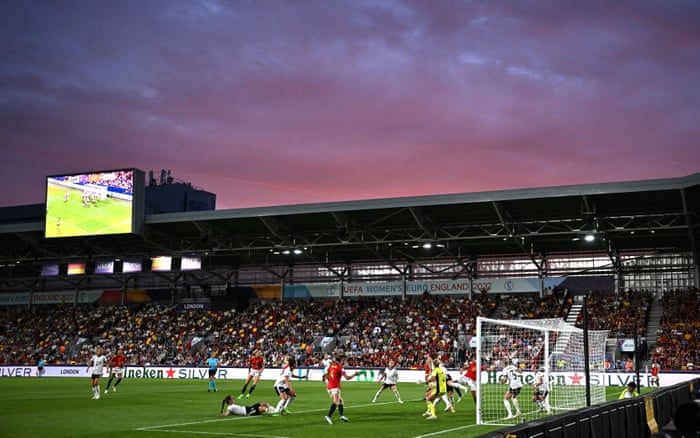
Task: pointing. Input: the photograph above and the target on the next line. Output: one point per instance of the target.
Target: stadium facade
(641, 234)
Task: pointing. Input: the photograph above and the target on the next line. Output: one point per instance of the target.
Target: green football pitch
(62, 407)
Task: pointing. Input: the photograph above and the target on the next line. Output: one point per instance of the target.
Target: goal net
(534, 368)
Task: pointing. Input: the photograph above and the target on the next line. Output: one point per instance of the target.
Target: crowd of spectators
(531, 306)
(678, 341)
(621, 314)
(369, 330)
(405, 331)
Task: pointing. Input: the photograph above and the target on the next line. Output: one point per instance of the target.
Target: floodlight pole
(586, 366)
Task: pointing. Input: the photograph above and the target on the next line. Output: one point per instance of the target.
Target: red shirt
(654, 370)
(471, 371)
(428, 369)
(118, 361)
(257, 363)
(335, 372)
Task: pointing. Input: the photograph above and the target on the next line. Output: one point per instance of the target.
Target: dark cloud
(272, 102)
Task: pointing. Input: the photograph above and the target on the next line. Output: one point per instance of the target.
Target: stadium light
(427, 245)
(589, 237)
(288, 251)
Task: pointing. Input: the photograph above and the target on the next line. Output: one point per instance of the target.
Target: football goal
(535, 367)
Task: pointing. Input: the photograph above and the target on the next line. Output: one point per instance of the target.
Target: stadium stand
(158, 334)
(622, 314)
(370, 330)
(678, 343)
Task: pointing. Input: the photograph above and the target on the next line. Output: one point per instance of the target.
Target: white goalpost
(533, 368)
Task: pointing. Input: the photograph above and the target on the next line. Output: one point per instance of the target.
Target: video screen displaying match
(95, 203)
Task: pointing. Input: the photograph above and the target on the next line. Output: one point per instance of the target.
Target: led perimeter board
(95, 203)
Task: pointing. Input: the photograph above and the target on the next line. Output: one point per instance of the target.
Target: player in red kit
(116, 368)
(468, 376)
(654, 374)
(333, 375)
(428, 370)
(428, 367)
(257, 365)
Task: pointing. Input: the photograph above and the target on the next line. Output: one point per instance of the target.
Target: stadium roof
(648, 216)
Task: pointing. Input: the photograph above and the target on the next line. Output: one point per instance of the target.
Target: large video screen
(95, 203)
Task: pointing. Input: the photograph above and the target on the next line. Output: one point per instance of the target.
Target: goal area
(534, 368)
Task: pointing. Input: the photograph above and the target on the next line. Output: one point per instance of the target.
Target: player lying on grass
(229, 407)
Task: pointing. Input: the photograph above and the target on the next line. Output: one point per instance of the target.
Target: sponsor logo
(193, 306)
(144, 373)
(15, 372)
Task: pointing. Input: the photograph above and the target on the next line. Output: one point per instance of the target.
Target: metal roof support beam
(513, 235)
(422, 220)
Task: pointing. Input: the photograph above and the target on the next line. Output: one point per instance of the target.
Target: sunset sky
(288, 102)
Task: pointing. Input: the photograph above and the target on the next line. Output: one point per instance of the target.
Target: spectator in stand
(377, 330)
(619, 313)
(678, 343)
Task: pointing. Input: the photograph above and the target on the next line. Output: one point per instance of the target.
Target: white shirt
(512, 373)
(543, 386)
(235, 409)
(98, 364)
(391, 376)
(284, 375)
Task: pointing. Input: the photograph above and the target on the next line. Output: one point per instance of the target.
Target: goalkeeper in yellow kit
(437, 386)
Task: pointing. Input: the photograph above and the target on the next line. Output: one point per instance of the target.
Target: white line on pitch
(440, 432)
